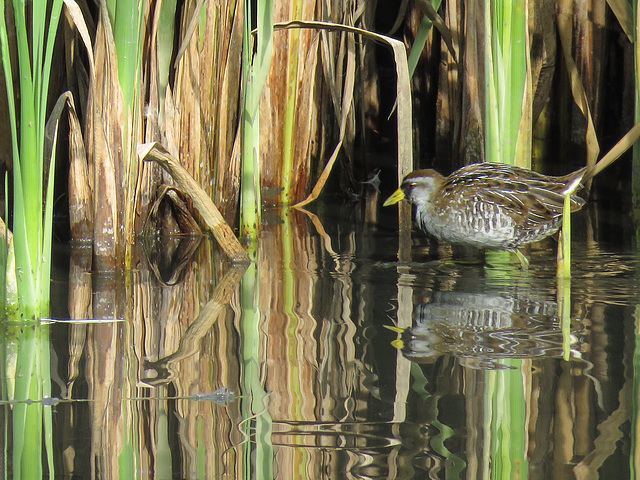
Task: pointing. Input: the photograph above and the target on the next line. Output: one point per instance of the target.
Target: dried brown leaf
(565, 24)
(80, 201)
(74, 12)
(623, 11)
(624, 144)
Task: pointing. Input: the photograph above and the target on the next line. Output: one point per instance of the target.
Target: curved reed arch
(405, 118)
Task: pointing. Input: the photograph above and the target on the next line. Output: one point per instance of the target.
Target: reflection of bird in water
(483, 328)
(490, 205)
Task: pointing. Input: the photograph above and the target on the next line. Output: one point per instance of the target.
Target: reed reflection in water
(287, 368)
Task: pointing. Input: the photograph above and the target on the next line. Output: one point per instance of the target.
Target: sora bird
(490, 205)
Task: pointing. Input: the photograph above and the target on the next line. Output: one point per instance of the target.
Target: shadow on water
(328, 358)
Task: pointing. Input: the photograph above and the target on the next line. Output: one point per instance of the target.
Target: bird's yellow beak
(395, 198)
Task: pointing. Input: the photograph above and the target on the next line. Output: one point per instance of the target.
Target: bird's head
(417, 187)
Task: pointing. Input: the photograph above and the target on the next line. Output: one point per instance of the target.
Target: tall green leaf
(508, 137)
(35, 33)
(255, 71)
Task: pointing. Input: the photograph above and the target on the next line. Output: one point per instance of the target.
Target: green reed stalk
(508, 131)
(26, 382)
(421, 39)
(258, 452)
(564, 248)
(506, 414)
(456, 464)
(255, 69)
(164, 463)
(6, 254)
(128, 464)
(33, 186)
(126, 22)
(35, 33)
(508, 124)
(564, 310)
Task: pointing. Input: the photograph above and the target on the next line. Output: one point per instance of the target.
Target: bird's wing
(529, 203)
(528, 197)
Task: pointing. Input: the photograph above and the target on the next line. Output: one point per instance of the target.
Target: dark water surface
(328, 358)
